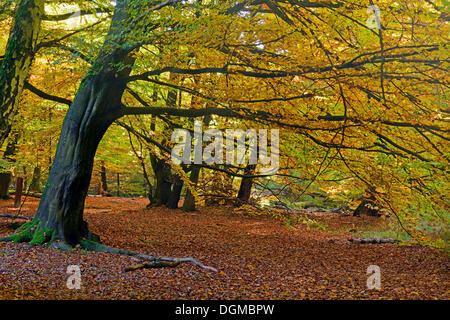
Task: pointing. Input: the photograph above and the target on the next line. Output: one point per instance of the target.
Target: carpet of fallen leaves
(256, 258)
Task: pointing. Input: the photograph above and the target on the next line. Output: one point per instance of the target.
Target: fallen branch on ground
(150, 261)
(167, 262)
(373, 241)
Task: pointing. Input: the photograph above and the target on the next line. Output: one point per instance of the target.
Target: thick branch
(46, 96)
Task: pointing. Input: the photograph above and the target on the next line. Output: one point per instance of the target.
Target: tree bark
(189, 200)
(17, 61)
(163, 181)
(103, 181)
(175, 194)
(62, 204)
(5, 180)
(35, 184)
(118, 184)
(19, 192)
(368, 207)
(245, 190)
(5, 176)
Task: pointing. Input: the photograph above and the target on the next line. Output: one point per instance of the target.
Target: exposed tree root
(32, 233)
(10, 216)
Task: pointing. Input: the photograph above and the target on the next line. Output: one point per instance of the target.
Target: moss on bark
(31, 232)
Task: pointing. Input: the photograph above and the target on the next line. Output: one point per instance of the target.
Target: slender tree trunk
(19, 192)
(17, 61)
(35, 184)
(118, 184)
(163, 175)
(189, 200)
(103, 181)
(245, 190)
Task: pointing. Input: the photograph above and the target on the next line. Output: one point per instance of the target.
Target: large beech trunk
(96, 106)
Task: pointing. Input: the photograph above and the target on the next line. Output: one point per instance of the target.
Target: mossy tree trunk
(17, 60)
(95, 108)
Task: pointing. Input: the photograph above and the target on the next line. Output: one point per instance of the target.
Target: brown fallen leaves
(256, 258)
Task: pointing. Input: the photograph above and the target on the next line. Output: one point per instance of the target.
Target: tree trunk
(104, 183)
(35, 184)
(19, 192)
(245, 189)
(163, 183)
(5, 176)
(17, 61)
(5, 180)
(175, 194)
(118, 184)
(189, 200)
(94, 109)
(368, 207)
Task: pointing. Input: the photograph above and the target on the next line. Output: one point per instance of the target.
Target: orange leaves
(256, 258)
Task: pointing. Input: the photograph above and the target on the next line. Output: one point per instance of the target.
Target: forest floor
(256, 258)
